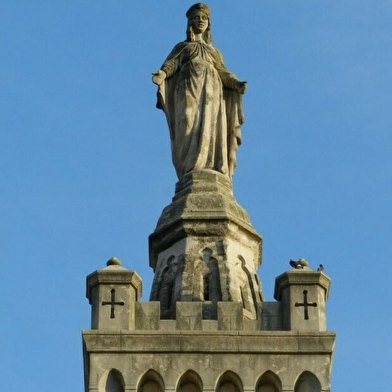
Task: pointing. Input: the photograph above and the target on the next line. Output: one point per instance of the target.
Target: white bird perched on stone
(300, 264)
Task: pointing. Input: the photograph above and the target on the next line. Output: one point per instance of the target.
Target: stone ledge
(209, 342)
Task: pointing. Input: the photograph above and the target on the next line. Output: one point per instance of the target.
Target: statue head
(201, 10)
(198, 7)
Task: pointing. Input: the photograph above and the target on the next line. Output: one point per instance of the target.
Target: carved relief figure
(166, 289)
(212, 288)
(201, 99)
(206, 278)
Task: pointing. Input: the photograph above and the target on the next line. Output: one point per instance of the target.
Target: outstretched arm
(170, 65)
(241, 87)
(158, 77)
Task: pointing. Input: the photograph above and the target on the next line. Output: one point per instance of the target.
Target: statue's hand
(158, 77)
(241, 87)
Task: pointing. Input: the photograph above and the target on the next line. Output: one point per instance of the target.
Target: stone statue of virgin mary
(202, 101)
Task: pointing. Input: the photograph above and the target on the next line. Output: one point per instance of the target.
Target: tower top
(113, 261)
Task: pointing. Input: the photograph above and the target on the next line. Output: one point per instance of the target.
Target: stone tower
(205, 249)
(207, 326)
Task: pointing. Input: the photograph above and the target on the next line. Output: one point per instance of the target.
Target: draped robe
(202, 108)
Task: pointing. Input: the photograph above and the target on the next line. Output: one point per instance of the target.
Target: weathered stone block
(303, 294)
(189, 315)
(271, 316)
(112, 293)
(210, 325)
(230, 316)
(167, 325)
(147, 315)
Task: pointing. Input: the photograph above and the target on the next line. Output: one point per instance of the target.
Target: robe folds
(202, 108)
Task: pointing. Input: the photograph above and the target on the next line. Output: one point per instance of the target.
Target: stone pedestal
(205, 248)
(112, 293)
(303, 294)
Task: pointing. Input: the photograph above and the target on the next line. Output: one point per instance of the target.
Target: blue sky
(86, 168)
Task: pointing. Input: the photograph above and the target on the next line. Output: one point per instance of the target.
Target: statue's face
(199, 22)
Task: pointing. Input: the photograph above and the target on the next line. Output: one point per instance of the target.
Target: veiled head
(199, 22)
(198, 7)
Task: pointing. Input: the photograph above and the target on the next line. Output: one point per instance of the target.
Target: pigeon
(320, 268)
(300, 264)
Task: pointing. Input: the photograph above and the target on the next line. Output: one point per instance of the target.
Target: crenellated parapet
(114, 292)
